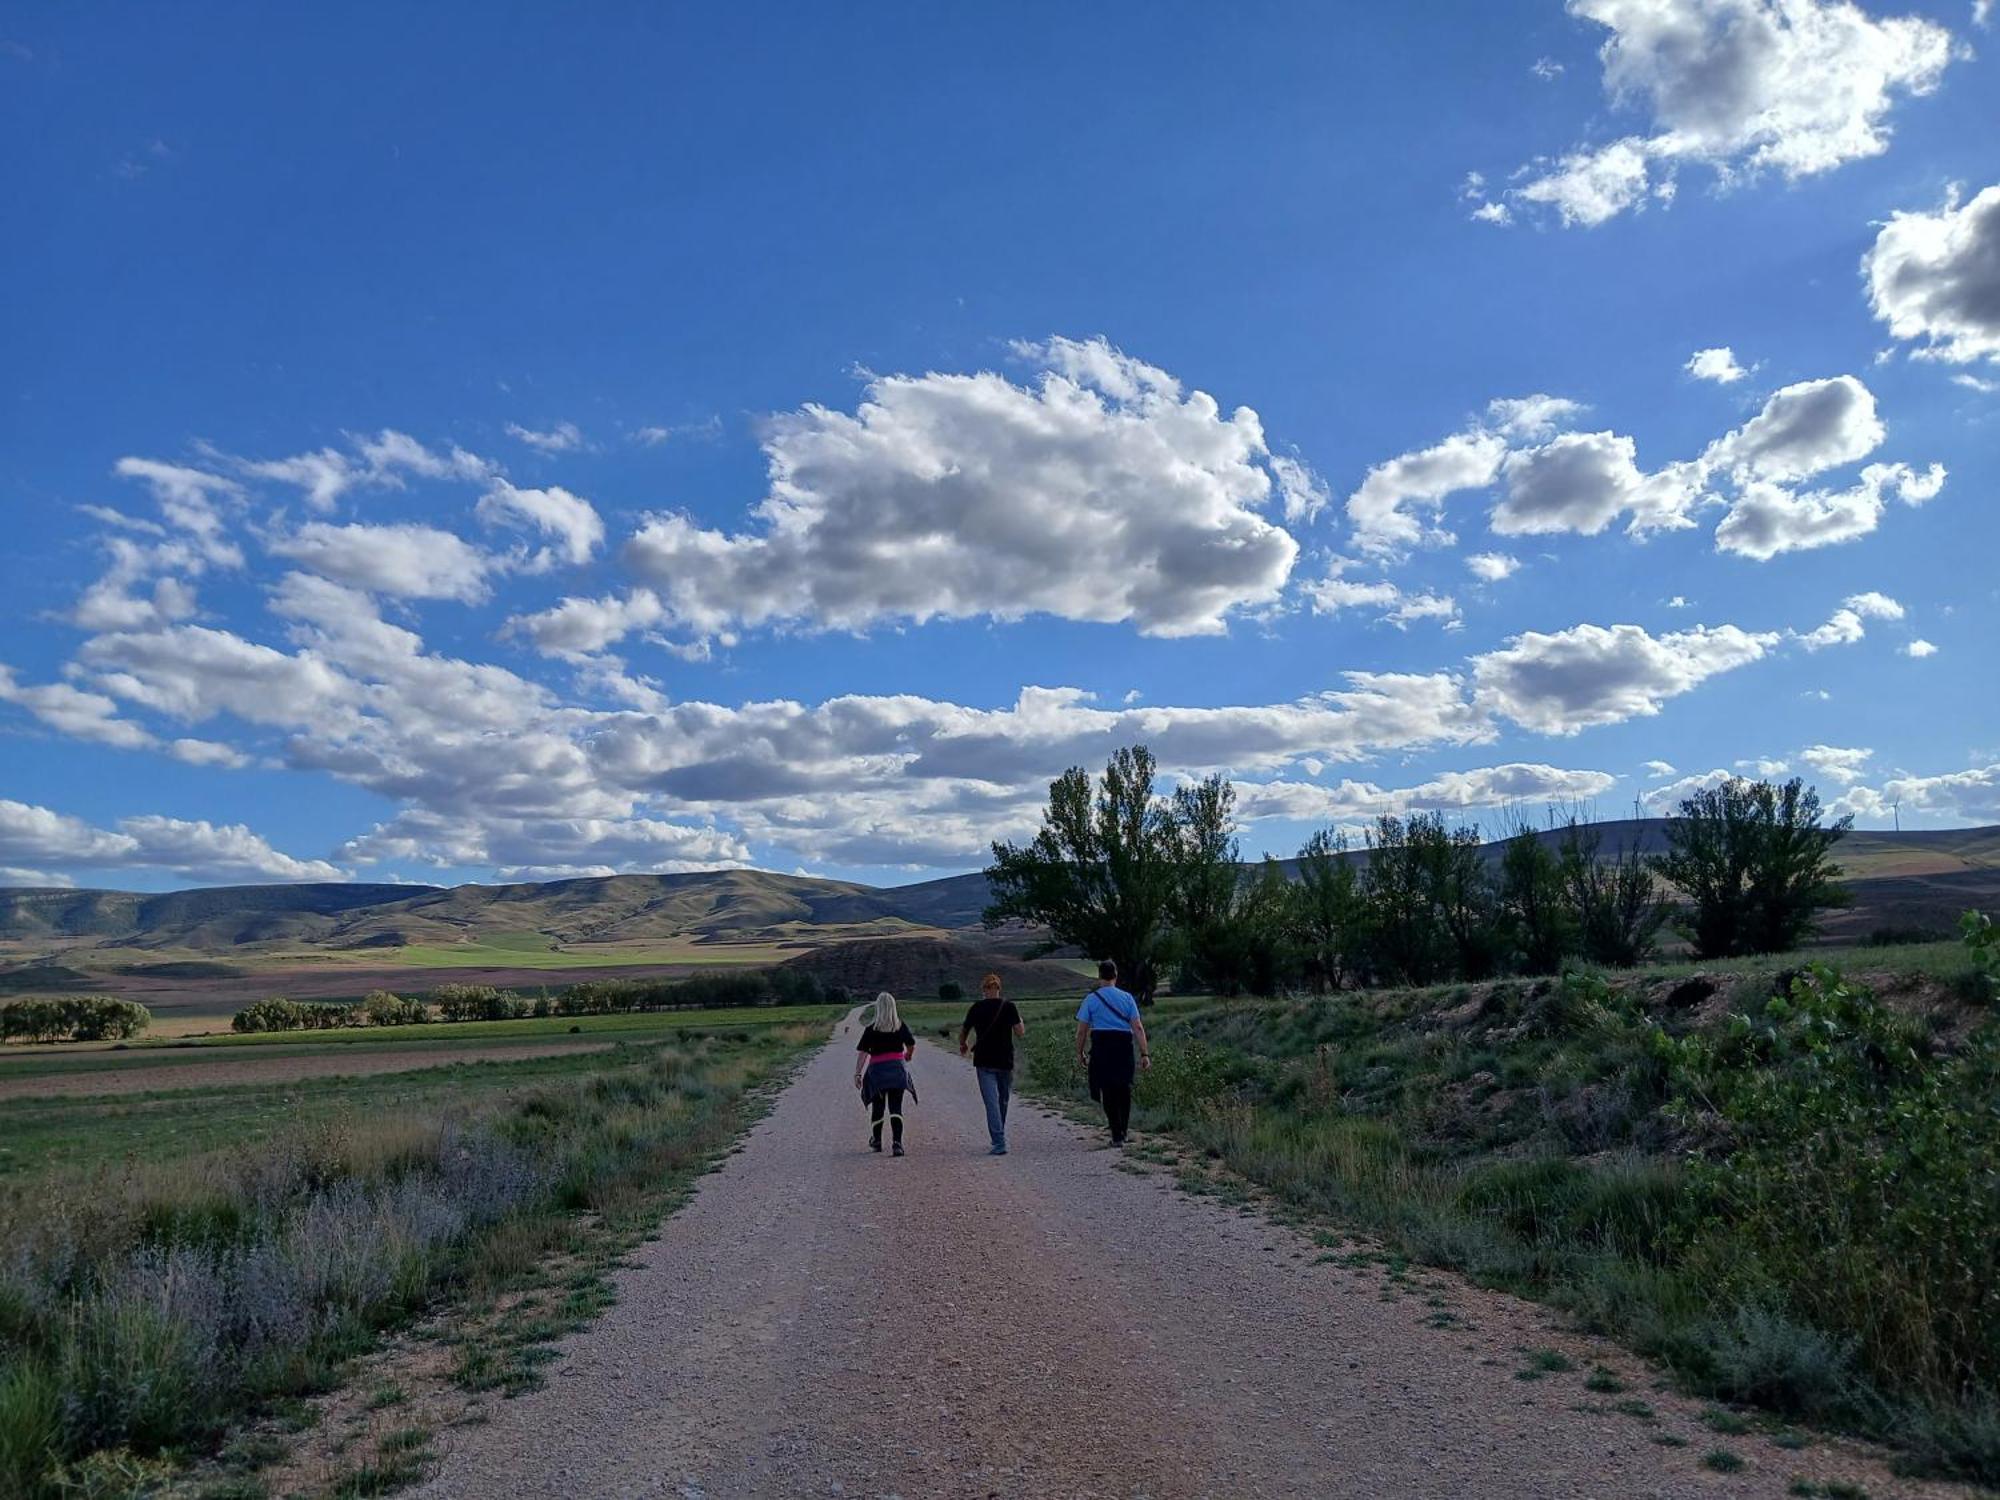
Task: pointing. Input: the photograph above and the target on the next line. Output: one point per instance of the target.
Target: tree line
(1156, 882)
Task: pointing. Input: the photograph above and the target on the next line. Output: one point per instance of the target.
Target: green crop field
(531, 950)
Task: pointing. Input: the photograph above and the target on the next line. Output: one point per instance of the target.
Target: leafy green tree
(1205, 887)
(1328, 919)
(1099, 874)
(1535, 905)
(1616, 903)
(1754, 862)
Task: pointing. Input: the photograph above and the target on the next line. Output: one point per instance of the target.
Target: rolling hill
(1919, 878)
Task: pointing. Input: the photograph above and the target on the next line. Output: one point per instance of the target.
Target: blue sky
(913, 402)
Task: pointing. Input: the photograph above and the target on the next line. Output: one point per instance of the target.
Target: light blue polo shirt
(1108, 1008)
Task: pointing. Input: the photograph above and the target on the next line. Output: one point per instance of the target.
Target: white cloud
(1380, 509)
(1718, 365)
(1547, 69)
(192, 502)
(1592, 674)
(1936, 277)
(1919, 649)
(1658, 768)
(1581, 481)
(1846, 625)
(1982, 12)
(570, 520)
(73, 711)
(1843, 764)
(1100, 492)
(1802, 430)
(1491, 567)
(1765, 767)
(1975, 383)
(1663, 799)
(1334, 594)
(324, 475)
(564, 437)
(1533, 417)
(43, 840)
(581, 627)
(1454, 791)
(1767, 519)
(408, 561)
(1742, 86)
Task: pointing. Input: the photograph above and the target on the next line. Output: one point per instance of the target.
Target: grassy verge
(1785, 1195)
(146, 1312)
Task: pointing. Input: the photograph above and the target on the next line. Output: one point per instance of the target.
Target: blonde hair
(990, 982)
(885, 1013)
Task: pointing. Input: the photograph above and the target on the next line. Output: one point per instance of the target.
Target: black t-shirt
(876, 1043)
(992, 1023)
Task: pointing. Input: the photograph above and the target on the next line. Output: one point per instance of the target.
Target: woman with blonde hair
(882, 1070)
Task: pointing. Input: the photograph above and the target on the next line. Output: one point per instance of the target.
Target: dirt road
(1053, 1323)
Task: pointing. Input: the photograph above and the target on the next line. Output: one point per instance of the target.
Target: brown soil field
(138, 1074)
(167, 996)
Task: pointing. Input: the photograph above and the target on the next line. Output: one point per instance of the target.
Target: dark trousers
(890, 1100)
(1117, 1108)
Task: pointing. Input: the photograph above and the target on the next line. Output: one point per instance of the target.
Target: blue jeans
(996, 1087)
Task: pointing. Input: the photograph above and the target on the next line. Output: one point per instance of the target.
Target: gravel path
(823, 1321)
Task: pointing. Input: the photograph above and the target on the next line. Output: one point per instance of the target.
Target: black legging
(892, 1101)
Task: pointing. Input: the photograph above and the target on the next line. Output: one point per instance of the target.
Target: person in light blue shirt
(1108, 1031)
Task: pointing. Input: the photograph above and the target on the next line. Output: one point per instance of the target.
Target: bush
(280, 1014)
(1982, 941)
(951, 989)
(79, 1018)
(1858, 1199)
(383, 1008)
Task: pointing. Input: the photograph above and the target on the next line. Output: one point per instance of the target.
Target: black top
(876, 1042)
(992, 1024)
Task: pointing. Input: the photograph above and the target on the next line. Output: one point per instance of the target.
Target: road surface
(820, 1320)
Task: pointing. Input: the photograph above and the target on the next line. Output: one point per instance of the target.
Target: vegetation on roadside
(141, 1315)
(73, 1018)
(591, 997)
(1157, 883)
(1789, 1195)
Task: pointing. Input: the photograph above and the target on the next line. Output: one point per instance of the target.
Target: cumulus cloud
(1455, 791)
(408, 561)
(1936, 277)
(1797, 87)
(1333, 594)
(1804, 429)
(1847, 624)
(1381, 510)
(192, 502)
(1718, 365)
(1099, 491)
(1581, 481)
(581, 627)
(1491, 567)
(43, 840)
(1767, 519)
(570, 521)
(1572, 679)
(1843, 764)
(1658, 768)
(1919, 649)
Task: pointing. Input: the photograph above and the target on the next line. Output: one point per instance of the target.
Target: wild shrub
(1856, 1195)
(951, 989)
(1982, 943)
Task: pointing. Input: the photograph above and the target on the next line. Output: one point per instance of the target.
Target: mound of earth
(913, 967)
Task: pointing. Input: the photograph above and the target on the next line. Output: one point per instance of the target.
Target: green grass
(83, 1134)
(363, 1208)
(534, 950)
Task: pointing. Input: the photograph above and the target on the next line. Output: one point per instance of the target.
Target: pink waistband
(875, 1057)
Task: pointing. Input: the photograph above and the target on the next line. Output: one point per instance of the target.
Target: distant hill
(1910, 879)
